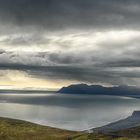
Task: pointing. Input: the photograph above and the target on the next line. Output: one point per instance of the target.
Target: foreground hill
(131, 91)
(11, 129)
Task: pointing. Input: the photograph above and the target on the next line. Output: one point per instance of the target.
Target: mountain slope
(131, 121)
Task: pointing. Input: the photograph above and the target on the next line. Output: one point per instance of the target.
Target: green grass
(85, 137)
(11, 129)
(82, 136)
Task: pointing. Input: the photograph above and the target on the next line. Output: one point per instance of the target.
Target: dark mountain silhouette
(123, 90)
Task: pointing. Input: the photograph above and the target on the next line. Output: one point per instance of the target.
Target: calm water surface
(73, 112)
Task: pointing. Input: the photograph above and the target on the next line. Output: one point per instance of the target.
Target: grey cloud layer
(54, 14)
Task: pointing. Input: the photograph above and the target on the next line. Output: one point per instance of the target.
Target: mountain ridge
(121, 90)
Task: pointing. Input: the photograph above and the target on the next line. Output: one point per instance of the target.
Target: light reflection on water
(73, 112)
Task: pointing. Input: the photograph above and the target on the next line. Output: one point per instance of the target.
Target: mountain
(131, 121)
(123, 90)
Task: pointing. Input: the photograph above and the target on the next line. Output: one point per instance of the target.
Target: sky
(54, 43)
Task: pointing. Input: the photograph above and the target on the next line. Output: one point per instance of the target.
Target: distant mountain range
(131, 121)
(123, 90)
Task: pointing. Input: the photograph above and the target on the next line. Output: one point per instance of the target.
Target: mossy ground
(11, 129)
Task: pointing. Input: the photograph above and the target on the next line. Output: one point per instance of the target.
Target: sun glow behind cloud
(19, 79)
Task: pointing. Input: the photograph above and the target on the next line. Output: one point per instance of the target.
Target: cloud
(56, 15)
(78, 73)
(24, 40)
(91, 41)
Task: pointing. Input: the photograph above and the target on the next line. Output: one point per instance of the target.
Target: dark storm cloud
(57, 14)
(78, 73)
(123, 63)
(60, 58)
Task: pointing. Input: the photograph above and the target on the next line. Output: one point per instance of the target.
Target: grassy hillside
(11, 129)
